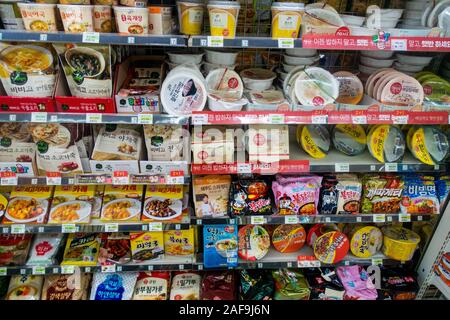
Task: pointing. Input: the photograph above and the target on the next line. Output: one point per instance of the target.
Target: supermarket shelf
(63, 117)
(243, 42)
(94, 37)
(443, 288)
(207, 221)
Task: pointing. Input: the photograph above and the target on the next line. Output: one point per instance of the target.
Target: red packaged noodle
(219, 286)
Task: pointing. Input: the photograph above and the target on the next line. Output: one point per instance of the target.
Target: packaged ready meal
(72, 204)
(211, 195)
(44, 249)
(163, 202)
(87, 68)
(122, 203)
(349, 196)
(290, 285)
(113, 286)
(15, 143)
(28, 70)
(152, 286)
(219, 285)
(220, 246)
(81, 249)
(147, 245)
(118, 142)
(185, 286)
(114, 248)
(64, 287)
(256, 285)
(14, 249)
(25, 287)
(164, 142)
(419, 197)
(250, 197)
(179, 242)
(382, 194)
(28, 204)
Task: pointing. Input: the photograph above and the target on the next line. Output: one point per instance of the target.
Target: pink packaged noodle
(281, 179)
(357, 284)
(297, 197)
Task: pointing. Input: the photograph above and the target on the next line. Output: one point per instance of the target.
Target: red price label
(306, 258)
(177, 173)
(120, 174)
(53, 174)
(7, 174)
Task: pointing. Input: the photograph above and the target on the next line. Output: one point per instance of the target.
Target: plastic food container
(351, 89)
(365, 241)
(131, 20)
(225, 84)
(314, 140)
(292, 60)
(180, 58)
(258, 79)
(223, 17)
(286, 19)
(224, 57)
(428, 144)
(355, 21)
(208, 67)
(254, 242)
(216, 104)
(102, 18)
(399, 243)
(76, 18)
(174, 65)
(316, 87)
(376, 62)
(38, 16)
(87, 2)
(289, 238)
(350, 139)
(386, 143)
(160, 20)
(377, 54)
(301, 52)
(190, 16)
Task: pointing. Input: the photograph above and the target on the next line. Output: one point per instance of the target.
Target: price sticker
(327, 219)
(34, 181)
(391, 167)
(54, 118)
(38, 270)
(399, 45)
(178, 227)
(155, 226)
(8, 178)
(276, 119)
(23, 271)
(181, 267)
(39, 117)
(111, 227)
(291, 220)
(199, 119)
(131, 40)
(346, 263)
(175, 180)
(173, 41)
(41, 229)
(243, 168)
(90, 37)
(260, 265)
(43, 37)
(377, 262)
(341, 167)
(53, 178)
(145, 118)
(373, 167)
(119, 268)
(419, 218)
(286, 43)
(404, 217)
(67, 269)
(215, 41)
(93, 118)
(109, 268)
(68, 228)
(17, 229)
(244, 43)
(258, 220)
(199, 222)
(319, 119)
(389, 219)
(87, 269)
(289, 264)
(12, 117)
(379, 218)
(200, 267)
(5, 230)
(3, 271)
(359, 119)
(358, 219)
(120, 177)
(400, 119)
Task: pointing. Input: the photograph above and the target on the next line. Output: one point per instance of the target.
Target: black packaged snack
(249, 197)
(324, 284)
(256, 285)
(4, 283)
(399, 283)
(328, 198)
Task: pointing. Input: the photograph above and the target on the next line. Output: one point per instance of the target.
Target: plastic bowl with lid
(408, 67)
(376, 63)
(290, 67)
(174, 65)
(208, 67)
(418, 60)
(377, 54)
(180, 58)
(131, 20)
(353, 20)
(366, 69)
(257, 78)
(225, 84)
(301, 52)
(217, 104)
(222, 57)
(300, 60)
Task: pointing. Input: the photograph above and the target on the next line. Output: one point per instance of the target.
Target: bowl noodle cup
(102, 18)
(76, 18)
(38, 17)
(131, 20)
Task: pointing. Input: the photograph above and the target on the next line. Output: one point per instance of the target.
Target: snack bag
(290, 285)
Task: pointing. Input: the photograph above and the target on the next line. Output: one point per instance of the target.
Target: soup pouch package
(122, 203)
(179, 242)
(419, 197)
(25, 287)
(87, 68)
(114, 248)
(152, 286)
(14, 249)
(113, 286)
(28, 204)
(63, 287)
(185, 286)
(382, 194)
(81, 249)
(164, 142)
(357, 284)
(147, 245)
(163, 203)
(256, 285)
(28, 70)
(290, 285)
(249, 197)
(72, 204)
(211, 195)
(220, 246)
(16, 145)
(219, 285)
(44, 249)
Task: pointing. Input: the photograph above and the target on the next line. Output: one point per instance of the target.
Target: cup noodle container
(76, 18)
(223, 17)
(75, 2)
(134, 3)
(130, 20)
(183, 91)
(286, 19)
(38, 17)
(102, 18)
(190, 16)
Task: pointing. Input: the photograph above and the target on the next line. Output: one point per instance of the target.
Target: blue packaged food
(419, 197)
(220, 246)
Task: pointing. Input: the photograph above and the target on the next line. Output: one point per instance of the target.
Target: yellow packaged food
(72, 204)
(28, 204)
(147, 245)
(122, 203)
(399, 243)
(163, 202)
(349, 139)
(3, 204)
(314, 140)
(386, 143)
(179, 242)
(365, 241)
(190, 16)
(286, 19)
(428, 144)
(223, 16)
(81, 249)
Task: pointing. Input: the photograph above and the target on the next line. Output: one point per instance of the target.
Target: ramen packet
(82, 249)
(356, 283)
(324, 284)
(28, 70)
(349, 196)
(328, 197)
(44, 249)
(28, 204)
(162, 202)
(419, 197)
(219, 285)
(185, 286)
(179, 242)
(290, 285)
(382, 194)
(249, 197)
(147, 246)
(64, 287)
(256, 285)
(113, 286)
(25, 287)
(14, 249)
(164, 142)
(114, 248)
(152, 286)
(220, 246)
(16, 144)
(87, 68)
(122, 203)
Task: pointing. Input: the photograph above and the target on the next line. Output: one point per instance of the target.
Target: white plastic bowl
(300, 60)
(208, 67)
(390, 13)
(173, 65)
(389, 23)
(413, 14)
(282, 74)
(413, 59)
(407, 67)
(220, 105)
(412, 22)
(353, 20)
(289, 67)
(366, 69)
(301, 52)
(221, 57)
(260, 79)
(377, 54)
(416, 5)
(360, 31)
(180, 58)
(376, 62)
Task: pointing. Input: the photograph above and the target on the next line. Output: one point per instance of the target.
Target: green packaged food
(382, 194)
(290, 285)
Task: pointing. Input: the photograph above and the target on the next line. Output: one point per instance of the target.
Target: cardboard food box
(163, 203)
(122, 203)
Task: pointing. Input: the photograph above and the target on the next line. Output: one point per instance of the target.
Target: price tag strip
(258, 220)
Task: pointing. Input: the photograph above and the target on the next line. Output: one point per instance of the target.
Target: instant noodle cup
(223, 17)
(288, 238)
(38, 17)
(130, 20)
(87, 2)
(76, 19)
(286, 19)
(190, 16)
(254, 242)
(331, 247)
(365, 241)
(102, 18)
(386, 143)
(428, 144)
(317, 230)
(349, 139)
(314, 140)
(399, 243)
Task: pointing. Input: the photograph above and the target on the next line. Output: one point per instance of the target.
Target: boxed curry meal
(179, 242)
(211, 195)
(73, 204)
(82, 249)
(28, 204)
(122, 203)
(147, 245)
(163, 202)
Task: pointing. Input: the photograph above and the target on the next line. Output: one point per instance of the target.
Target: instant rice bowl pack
(288, 238)
(220, 246)
(254, 242)
(331, 247)
(365, 241)
(382, 194)
(152, 286)
(185, 286)
(113, 286)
